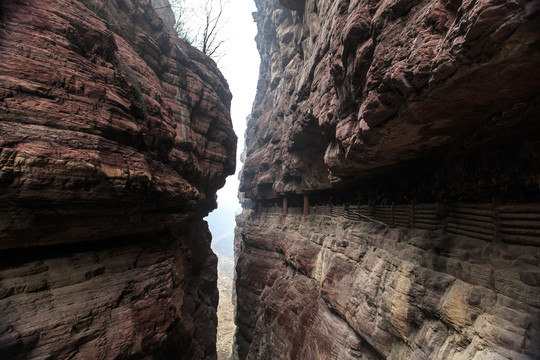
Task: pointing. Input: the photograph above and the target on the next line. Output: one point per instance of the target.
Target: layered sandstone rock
(383, 105)
(335, 288)
(114, 138)
(348, 88)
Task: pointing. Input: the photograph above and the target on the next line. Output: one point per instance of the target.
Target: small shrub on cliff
(139, 97)
(140, 111)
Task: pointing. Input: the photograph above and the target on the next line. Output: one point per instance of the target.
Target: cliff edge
(114, 138)
(391, 182)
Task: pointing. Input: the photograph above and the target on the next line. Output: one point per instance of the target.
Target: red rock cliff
(114, 138)
(407, 132)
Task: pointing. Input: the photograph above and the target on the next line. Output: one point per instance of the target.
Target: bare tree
(210, 41)
(181, 14)
(200, 24)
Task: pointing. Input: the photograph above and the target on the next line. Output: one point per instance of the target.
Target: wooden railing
(514, 223)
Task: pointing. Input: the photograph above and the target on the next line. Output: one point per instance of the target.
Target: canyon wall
(392, 182)
(114, 138)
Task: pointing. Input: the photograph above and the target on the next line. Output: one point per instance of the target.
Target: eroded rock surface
(114, 138)
(348, 88)
(385, 105)
(339, 289)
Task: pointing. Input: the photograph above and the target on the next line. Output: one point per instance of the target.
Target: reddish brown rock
(114, 137)
(388, 105)
(348, 89)
(135, 297)
(333, 288)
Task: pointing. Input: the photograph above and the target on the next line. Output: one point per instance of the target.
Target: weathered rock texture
(335, 288)
(382, 105)
(348, 88)
(114, 137)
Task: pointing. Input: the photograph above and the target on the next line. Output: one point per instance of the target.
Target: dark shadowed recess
(503, 169)
(18, 256)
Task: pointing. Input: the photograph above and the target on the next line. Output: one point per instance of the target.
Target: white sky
(240, 66)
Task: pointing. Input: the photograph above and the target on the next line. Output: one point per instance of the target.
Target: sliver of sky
(239, 64)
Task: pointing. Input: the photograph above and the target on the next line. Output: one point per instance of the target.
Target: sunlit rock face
(335, 288)
(114, 138)
(410, 127)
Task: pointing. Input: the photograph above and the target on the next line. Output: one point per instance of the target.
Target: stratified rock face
(348, 88)
(114, 138)
(335, 288)
(410, 128)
